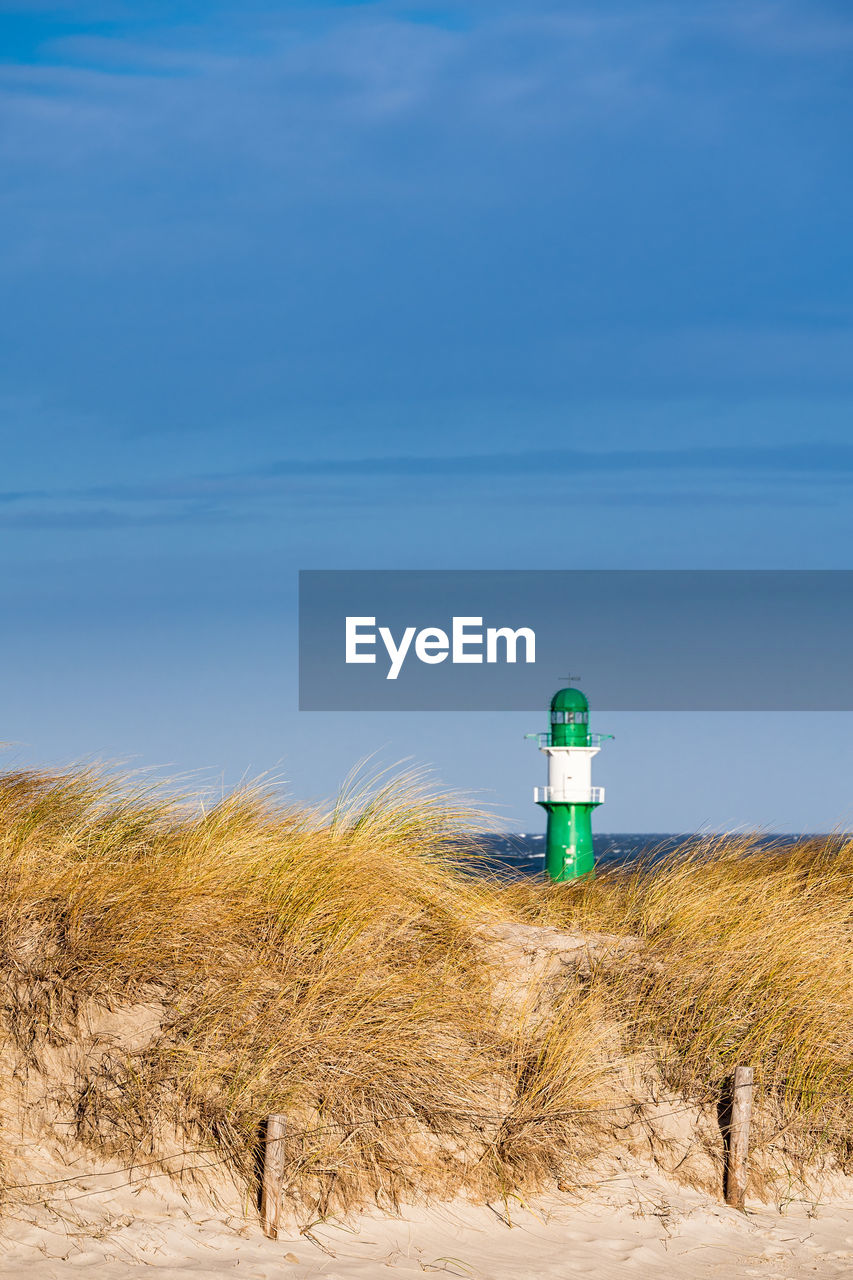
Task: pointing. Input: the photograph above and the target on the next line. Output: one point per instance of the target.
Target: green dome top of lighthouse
(569, 700)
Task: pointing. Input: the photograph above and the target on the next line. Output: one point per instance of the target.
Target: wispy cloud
(646, 477)
(272, 88)
(61, 517)
(796, 459)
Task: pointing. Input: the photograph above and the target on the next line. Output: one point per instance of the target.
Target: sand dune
(173, 974)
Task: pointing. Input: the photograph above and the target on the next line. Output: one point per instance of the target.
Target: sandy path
(640, 1226)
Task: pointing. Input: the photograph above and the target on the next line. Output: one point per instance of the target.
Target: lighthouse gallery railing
(593, 739)
(550, 795)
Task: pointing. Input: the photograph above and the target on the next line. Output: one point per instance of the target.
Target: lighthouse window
(569, 717)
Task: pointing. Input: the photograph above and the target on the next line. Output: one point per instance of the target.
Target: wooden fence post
(273, 1175)
(737, 1171)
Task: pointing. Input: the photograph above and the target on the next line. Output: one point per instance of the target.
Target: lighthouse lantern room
(569, 797)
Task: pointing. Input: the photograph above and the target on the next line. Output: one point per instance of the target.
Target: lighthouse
(569, 797)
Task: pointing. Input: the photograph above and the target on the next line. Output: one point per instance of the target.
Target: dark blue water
(525, 854)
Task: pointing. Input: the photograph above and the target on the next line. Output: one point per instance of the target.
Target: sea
(524, 854)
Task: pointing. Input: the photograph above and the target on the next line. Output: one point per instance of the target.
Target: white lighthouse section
(570, 777)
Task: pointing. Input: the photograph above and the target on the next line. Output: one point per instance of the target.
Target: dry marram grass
(336, 968)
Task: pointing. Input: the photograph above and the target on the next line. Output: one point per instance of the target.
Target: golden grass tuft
(748, 958)
(321, 965)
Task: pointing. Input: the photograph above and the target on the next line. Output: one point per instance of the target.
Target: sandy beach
(638, 1224)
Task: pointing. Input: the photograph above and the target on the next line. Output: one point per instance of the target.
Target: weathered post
(273, 1175)
(737, 1170)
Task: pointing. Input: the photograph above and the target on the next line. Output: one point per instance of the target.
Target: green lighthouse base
(569, 852)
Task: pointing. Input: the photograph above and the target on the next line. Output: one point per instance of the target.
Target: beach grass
(747, 959)
(318, 964)
(330, 966)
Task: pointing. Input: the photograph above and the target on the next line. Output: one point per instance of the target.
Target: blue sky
(390, 285)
